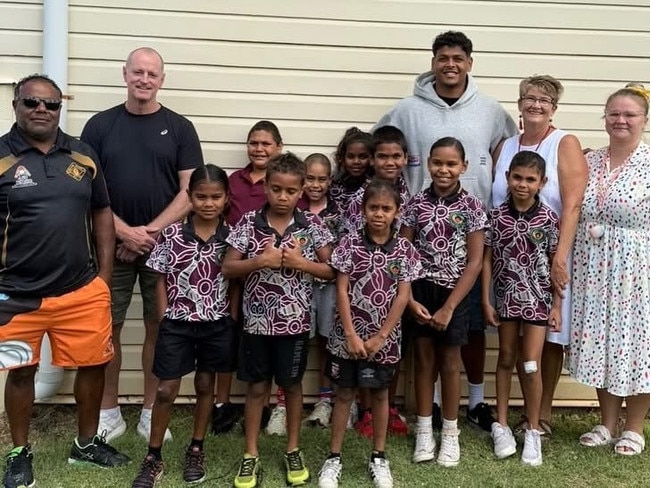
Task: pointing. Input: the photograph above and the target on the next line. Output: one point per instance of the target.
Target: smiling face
(388, 161)
(39, 123)
(144, 76)
(537, 107)
(445, 167)
(208, 200)
(317, 181)
(260, 148)
(625, 119)
(524, 182)
(450, 66)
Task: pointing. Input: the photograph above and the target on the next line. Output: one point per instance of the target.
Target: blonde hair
(549, 85)
(635, 90)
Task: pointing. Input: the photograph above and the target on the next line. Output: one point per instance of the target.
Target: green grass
(566, 463)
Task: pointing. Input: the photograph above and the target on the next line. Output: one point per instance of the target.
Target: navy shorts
(359, 373)
(433, 297)
(264, 358)
(183, 347)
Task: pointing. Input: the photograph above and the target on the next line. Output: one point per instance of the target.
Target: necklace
(548, 131)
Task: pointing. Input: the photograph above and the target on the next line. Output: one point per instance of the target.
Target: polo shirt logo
(23, 178)
(75, 171)
(393, 269)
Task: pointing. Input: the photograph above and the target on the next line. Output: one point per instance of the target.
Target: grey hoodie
(477, 120)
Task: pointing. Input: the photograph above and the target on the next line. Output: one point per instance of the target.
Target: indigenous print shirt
(196, 289)
(374, 271)
(441, 225)
(522, 243)
(277, 302)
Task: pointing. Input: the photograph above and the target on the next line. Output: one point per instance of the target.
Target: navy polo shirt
(46, 242)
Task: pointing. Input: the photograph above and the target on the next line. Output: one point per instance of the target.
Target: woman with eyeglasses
(566, 173)
(610, 338)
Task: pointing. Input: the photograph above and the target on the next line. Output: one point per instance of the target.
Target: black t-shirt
(46, 203)
(141, 156)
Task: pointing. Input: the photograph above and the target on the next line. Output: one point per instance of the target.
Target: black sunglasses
(33, 102)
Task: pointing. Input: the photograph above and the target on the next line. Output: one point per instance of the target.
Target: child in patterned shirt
(278, 250)
(374, 270)
(519, 248)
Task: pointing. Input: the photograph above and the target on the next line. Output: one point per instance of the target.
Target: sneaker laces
(530, 440)
(148, 467)
(449, 444)
(194, 459)
(247, 467)
(294, 460)
(380, 468)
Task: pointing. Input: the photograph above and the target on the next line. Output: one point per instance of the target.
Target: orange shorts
(78, 324)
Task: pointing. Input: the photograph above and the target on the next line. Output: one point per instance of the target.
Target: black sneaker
(436, 417)
(98, 453)
(151, 471)
(194, 471)
(19, 472)
(481, 416)
(224, 418)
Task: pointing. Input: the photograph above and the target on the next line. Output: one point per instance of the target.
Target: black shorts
(183, 347)
(359, 373)
(433, 297)
(264, 358)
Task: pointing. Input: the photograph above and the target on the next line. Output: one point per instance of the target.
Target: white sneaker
(321, 415)
(379, 469)
(353, 416)
(330, 473)
(504, 442)
(144, 426)
(110, 426)
(449, 454)
(278, 422)
(532, 454)
(425, 445)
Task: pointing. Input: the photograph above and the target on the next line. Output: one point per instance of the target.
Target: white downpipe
(55, 64)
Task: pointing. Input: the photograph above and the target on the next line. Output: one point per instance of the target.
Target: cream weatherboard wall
(317, 68)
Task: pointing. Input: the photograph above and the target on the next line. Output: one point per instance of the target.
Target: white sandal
(630, 444)
(598, 436)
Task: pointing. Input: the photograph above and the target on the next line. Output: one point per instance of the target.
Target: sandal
(630, 444)
(520, 427)
(598, 436)
(547, 428)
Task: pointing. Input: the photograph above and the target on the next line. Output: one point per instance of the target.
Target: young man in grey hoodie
(447, 102)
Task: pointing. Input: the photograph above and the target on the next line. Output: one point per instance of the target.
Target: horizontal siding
(317, 68)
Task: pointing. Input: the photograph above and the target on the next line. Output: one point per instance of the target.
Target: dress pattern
(610, 335)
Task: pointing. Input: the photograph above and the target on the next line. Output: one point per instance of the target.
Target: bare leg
(165, 395)
(293, 399)
(112, 371)
(222, 391)
(379, 399)
(424, 380)
(473, 354)
(448, 358)
(636, 409)
(204, 387)
(508, 345)
(88, 388)
(610, 409)
(552, 359)
(533, 343)
(19, 402)
(150, 381)
(256, 396)
(340, 413)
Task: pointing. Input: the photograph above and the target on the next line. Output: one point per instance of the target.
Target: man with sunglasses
(147, 153)
(55, 268)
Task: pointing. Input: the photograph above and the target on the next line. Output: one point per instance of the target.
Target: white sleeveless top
(550, 195)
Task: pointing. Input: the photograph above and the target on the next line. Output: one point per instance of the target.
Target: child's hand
(271, 257)
(356, 347)
(419, 312)
(440, 319)
(555, 319)
(491, 316)
(292, 256)
(373, 345)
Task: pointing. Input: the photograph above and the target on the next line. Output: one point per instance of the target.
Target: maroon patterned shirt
(277, 302)
(196, 289)
(441, 225)
(522, 243)
(375, 271)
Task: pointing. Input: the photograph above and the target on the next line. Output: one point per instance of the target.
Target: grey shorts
(323, 309)
(124, 277)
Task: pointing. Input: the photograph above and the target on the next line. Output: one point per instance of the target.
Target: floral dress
(610, 330)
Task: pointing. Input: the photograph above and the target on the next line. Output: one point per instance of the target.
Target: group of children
(343, 255)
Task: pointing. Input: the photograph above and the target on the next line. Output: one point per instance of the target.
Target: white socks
(424, 422)
(449, 424)
(476, 394)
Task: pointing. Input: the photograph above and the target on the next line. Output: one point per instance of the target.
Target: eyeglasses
(33, 102)
(544, 102)
(614, 116)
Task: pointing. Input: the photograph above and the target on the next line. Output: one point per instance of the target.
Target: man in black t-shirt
(147, 153)
(57, 255)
